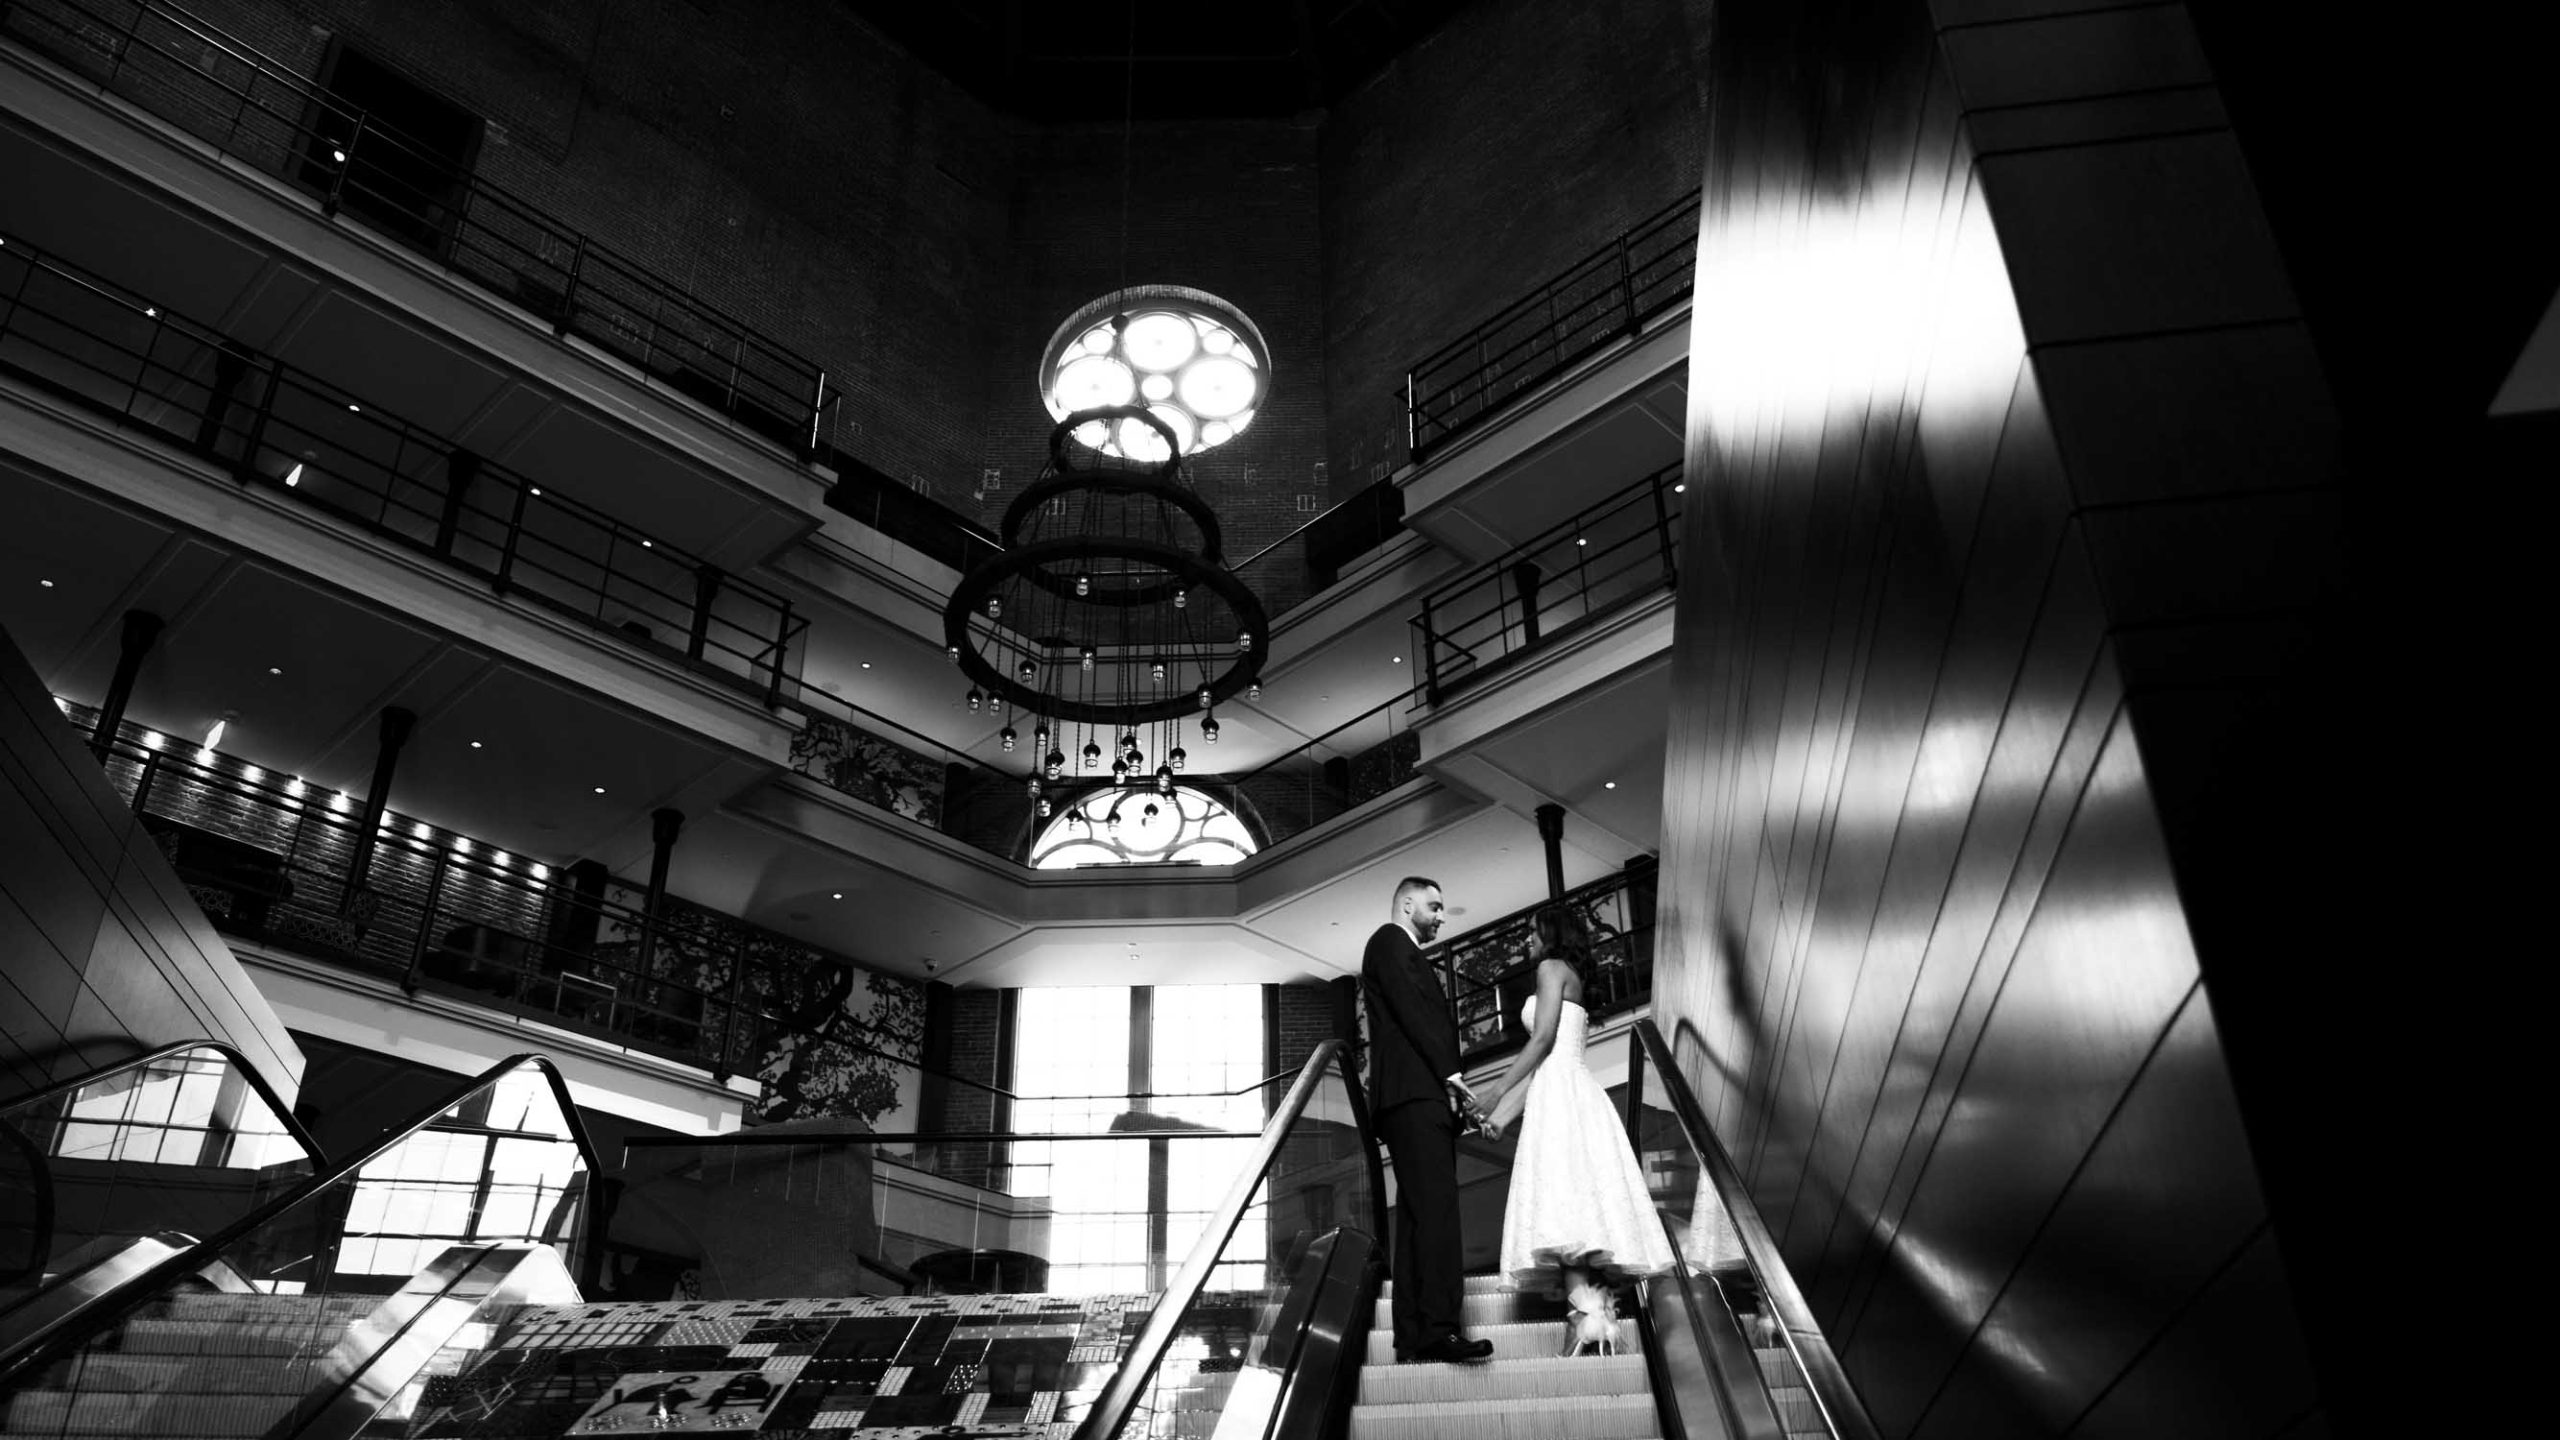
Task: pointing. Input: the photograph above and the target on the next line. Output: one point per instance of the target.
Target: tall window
(1193, 1046)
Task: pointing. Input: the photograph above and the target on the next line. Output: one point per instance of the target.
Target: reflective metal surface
(1927, 954)
(382, 1355)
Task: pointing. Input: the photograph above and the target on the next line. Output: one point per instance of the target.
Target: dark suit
(1413, 1049)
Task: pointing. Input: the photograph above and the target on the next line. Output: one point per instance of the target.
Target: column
(141, 628)
(396, 725)
(663, 827)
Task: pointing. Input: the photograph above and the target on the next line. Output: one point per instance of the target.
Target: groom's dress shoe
(1455, 1350)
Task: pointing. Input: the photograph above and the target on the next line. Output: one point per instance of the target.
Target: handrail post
(338, 183)
(781, 645)
(142, 782)
(247, 468)
(737, 362)
(1627, 280)
(426, 921)
(1662, 527)
(729, 1032)
(1430, 654)
(706, 591)
(568, 310)
(507, 552)
(817, 417)
(142, 372)
(1412, 416)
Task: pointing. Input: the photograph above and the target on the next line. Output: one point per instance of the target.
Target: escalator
(408, 1292)
(325, 1307)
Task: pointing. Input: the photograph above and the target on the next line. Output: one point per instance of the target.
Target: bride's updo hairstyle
(1563, 933)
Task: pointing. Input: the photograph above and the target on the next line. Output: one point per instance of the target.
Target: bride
(1580, 1218)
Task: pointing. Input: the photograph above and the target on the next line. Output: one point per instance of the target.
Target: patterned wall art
(889, 1368)
(869, 768)
(827, 1037)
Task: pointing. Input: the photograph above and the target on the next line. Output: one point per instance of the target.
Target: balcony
(256, 114)
(346, 460)
(275, 864)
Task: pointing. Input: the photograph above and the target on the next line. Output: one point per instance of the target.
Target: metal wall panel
(1926, 958)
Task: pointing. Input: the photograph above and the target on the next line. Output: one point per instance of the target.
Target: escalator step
(55, 1412)
(113, 1372)
(1526, 1340)
(1560, 1417)
(194, 1337)
(222, 1306)
(1489, 1307)
(1476, 1285)
(1622, 1374)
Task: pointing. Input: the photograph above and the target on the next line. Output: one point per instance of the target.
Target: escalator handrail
(75, 1330)
(1845, 1413)
(1112, 1409)
(239, 1062)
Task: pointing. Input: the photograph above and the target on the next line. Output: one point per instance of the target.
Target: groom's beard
(1428, 929)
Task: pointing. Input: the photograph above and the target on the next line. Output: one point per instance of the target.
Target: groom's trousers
(1429, 1266)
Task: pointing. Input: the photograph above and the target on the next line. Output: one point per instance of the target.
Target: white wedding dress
(1577, 1195)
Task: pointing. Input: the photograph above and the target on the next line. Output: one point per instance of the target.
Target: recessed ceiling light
(599, 789)
(46, 584)
(1581, 539)
(475, 744)
(537, 492)
(648, 545)
(354, 409)
(838, 895)
(1680, 489)
(1608, 784)
(275, 669)
(866, 664)
(1399, 659)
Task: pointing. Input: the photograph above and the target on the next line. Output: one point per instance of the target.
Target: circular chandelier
(1183, 356)
(1109, 628)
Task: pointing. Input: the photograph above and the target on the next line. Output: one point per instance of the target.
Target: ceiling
(1161, 61)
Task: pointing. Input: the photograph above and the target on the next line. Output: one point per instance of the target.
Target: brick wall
(1512, 141)
(781, 162)
(1303, 1016)
(966, 1039)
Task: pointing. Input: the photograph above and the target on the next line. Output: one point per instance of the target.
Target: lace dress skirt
(1578, 1196)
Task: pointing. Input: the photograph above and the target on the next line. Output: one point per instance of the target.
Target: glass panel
(182, 1143)
(296, 1281)
(1222, 1369)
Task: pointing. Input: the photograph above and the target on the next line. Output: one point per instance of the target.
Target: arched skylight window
(1117, 826)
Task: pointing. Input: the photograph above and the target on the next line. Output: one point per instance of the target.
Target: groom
(1416, 1091)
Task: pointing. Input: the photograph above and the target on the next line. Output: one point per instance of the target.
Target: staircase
(191, 1365)
(1525, 1392)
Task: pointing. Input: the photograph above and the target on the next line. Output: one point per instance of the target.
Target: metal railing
(1486, 978)
(885, 764)
(253, 110)
(293, 434)
(297, 1243)
(1585, 568)
(1602, 299)
(1744, 1295)
(270, 861)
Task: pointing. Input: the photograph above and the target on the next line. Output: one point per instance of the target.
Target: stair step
(109, 1372)
(221, 1305)
(1525, 1340)
(198, 1337)
(55, 1412)
(1560, 1417)
(1489, 1307)
(1476, 1285)
(1621, 1374)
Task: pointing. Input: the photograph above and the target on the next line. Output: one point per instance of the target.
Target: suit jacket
(1413, 1039)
